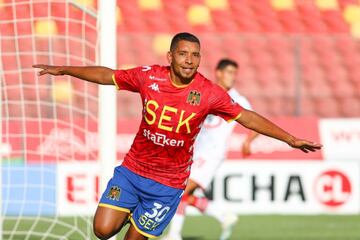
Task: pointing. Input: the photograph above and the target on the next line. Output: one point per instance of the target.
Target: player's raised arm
(95, 74)
(256, 122)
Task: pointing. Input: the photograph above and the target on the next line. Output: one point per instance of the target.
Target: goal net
(48, 148)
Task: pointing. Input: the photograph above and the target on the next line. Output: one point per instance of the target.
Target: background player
(147, 187)
(209, 152)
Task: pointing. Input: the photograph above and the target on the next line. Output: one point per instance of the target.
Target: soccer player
(209, 152)
(147, 187)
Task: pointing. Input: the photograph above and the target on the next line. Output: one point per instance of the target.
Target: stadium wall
(275, 180)
(289, 187)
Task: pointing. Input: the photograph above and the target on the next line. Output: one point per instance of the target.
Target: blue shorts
(151, 205)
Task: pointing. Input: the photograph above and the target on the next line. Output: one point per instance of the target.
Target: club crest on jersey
(114, 193)
(194, 98)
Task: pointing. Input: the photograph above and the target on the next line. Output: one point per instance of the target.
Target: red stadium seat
(275, 105)
(130, 104)
(327, 107)
(329, 61)
(57, 9)
(308, 10)
(250, 88)
(15, 109)
(350, 106)
(270, 25)
(307, 107)
(269, 63)
(322, 44)
(345, 44)
(223, 21)
(335, 21)
(336, 75)
(156, 21)
(356, 86)
(246, 74)
(342, 89)
(291, 21)
(354, 75)
(319, 89)
(260, 105)
(11, 63)
(344, 3)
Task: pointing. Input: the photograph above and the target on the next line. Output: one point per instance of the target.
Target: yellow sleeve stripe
(113, 78)
(141, 232)
(234, 119)
(114, 207)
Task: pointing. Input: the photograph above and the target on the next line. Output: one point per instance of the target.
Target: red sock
(200, 203)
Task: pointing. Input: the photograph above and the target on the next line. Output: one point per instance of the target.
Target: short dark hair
(183, 36)
(223, 63)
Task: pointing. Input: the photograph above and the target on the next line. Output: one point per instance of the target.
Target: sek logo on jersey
(162, 140)
(167, 114)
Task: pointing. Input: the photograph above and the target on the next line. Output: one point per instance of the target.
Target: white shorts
(204, 168)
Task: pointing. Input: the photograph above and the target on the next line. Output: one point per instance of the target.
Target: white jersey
(211, 144)
(216, 131)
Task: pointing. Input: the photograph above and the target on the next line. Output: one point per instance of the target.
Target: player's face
(185, 59)
(226, 77)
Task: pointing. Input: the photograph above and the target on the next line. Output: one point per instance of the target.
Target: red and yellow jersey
(172, 117)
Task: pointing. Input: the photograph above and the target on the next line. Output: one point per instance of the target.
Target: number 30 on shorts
(159, 212)
(151, 221)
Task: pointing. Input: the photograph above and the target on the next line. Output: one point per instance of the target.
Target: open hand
(304, 145)
(47, 69)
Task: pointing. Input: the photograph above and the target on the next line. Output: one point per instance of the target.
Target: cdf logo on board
(332, 188)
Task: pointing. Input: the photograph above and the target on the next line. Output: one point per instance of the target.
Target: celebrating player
(147, 187)
(209, 152)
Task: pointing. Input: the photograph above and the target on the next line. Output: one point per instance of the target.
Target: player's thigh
(109, 221)
(116, 203)
(133, 234)
(158, 206)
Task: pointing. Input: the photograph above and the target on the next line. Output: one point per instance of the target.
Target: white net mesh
(48, 125)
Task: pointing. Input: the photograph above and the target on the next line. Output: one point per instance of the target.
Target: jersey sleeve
(129, 79)
(222, 105)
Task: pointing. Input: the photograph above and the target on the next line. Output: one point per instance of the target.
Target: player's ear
(169, 57)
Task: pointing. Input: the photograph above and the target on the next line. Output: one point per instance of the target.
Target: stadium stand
(288, 50)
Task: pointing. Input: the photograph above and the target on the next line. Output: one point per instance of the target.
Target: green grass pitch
(249, 227)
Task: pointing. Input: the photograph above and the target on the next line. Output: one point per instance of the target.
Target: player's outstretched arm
(254, 121)
(95, 74)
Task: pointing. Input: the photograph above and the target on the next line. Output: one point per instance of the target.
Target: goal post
(107, 94)
(1, 160)
(56, 133)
